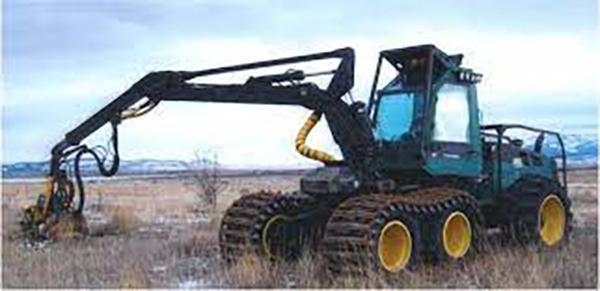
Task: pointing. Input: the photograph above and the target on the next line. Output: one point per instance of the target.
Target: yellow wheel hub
(552, 220)
(395, 246)
(457, 235)
(267, 231)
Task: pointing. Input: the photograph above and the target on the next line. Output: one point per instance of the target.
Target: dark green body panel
(420, 159)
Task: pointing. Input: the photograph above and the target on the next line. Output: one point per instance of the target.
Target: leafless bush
(121, 219)
(124, 218)
(206, 178)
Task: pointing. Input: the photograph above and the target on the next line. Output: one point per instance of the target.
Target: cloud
(66, 60)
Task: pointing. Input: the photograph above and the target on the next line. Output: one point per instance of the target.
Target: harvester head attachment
(54, 215)
(35, 227)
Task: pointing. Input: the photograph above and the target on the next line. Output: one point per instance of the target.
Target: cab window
(394, 115)
(452, 114)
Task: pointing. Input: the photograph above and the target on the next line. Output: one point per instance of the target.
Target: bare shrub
(207, 179)
(124, 218)
(121, 219)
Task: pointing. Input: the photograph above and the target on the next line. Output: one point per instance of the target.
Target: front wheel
(376, 231)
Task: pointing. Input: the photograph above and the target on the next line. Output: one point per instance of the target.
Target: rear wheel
(552, 220)
(542, 214)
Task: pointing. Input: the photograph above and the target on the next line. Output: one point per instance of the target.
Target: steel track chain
(351, 235)
(243, 223)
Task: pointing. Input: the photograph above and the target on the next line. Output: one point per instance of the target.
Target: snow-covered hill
(582, 149)
(88, 167)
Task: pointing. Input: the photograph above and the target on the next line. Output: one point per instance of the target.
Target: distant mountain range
(89, 168)
(146, 167)
(581, 150)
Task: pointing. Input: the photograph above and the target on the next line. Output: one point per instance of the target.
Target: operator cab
(426, 119)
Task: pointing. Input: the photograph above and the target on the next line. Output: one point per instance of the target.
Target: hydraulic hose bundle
(99, 158)
(58, 199)
(60, 192)
(307, 151)
(99, 162)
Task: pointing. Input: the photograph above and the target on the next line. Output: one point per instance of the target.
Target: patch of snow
(33, 245)
(192, 284)
(159, 269)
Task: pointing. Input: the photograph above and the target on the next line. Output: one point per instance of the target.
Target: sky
(64, 60)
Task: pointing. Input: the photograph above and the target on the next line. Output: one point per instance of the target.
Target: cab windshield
(394, 116)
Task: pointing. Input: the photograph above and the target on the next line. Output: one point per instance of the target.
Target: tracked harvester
(420, 177)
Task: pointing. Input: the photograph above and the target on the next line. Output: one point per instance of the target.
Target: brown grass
(131, 262)
(99, 262)
(196, 243)
(165, 255)
(133, 277)
(122, 219)
(71, 226)
(497, 267)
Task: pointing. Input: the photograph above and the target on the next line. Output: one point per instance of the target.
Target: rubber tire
(414, 227)
(241, 233)
(350, 243)
(468, 206)
(522, 226)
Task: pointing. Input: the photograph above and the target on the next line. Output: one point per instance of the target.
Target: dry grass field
(153, 233)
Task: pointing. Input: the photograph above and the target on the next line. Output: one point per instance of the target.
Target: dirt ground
(154, 233)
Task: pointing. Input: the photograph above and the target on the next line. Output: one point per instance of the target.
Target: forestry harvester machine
(420, 177)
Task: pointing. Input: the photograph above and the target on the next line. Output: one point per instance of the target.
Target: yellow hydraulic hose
(301, 146)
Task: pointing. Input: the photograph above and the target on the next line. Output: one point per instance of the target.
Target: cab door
(455, 144)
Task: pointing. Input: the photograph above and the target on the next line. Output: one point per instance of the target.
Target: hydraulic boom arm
(348, 123)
